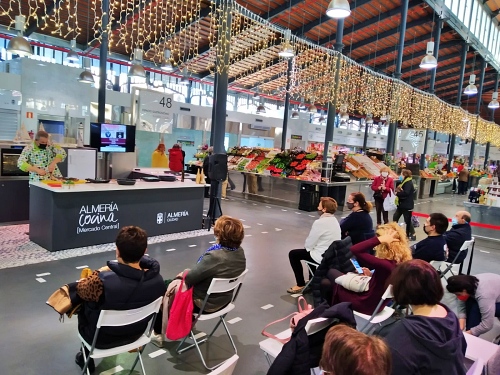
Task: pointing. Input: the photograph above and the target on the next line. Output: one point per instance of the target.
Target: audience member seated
(478, 301)
(359, 221)
(433, 247)
(459, 233)
(338, 256)
(391, 248)
(430, 341)
(225, 259)
(349, 352)
(130, 282)
(324, 231)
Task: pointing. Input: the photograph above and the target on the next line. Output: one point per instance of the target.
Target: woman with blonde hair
(382, 186)
(391, 248)
(159, 159)
(350, 352)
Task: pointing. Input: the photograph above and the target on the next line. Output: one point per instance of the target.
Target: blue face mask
(401, 178)
(454, 221)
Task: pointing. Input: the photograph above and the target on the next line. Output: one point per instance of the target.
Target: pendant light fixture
(72, 56)
(429, 61)
(494, 101)
(338, 9)
(185, 79)
(471, 89)
(295, 114)
(19, 45)
(137, 70)
(167, 66)
(312, 108)
(86, 76)
(286, 50)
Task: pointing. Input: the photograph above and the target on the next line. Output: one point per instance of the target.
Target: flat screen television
(112, 137)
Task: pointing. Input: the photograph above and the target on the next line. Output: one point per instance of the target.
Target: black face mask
(42, 146)
(350, 205)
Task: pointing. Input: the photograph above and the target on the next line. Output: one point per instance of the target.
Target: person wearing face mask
(40, 158)
(324, 231)
(381, 186)
(459, 233)
(359, 221)
(405, 202)
(433, 247)
(478, 301)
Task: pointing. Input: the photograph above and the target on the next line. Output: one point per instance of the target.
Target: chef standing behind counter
(40, 158)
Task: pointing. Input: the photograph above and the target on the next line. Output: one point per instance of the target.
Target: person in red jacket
(176, 158)
(381, 186)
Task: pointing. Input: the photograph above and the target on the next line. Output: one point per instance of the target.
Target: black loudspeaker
(217, 167)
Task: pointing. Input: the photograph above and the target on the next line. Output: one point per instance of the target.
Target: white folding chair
(227, 367)
(309, 266)
(477, 368)
(119, 318)
(479, 349)
(378, 317)
(444, 267)
(216, 286)
(272, 347)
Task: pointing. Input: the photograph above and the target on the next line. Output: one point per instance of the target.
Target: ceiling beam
(280, 9)
(441, 69)
(408, 43)
(301, 31)
(454, 93)
(422, 53)
(35, 25)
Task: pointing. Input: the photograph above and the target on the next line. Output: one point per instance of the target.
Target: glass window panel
(448, 3)
(473, 23)
(454, 6)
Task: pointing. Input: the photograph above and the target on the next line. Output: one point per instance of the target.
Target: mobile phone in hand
(357, 266)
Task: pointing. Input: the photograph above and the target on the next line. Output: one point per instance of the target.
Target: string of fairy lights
(177, 26)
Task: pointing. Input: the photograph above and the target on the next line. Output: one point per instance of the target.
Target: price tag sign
(156, 111)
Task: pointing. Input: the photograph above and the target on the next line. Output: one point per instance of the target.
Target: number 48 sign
(155, 111)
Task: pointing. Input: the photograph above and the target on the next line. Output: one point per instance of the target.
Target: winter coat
(425, 345)
(303, 352)
(389, 185)
(337, 256)
(455, 238)
(405, 196)
(176, 159)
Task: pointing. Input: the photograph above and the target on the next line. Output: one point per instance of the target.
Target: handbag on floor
(180, 319)
(415, 222)
(304, 310)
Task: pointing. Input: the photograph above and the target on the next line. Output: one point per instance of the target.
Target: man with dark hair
(434, 246)
(40, 158)
(131, 281)
(459, 233)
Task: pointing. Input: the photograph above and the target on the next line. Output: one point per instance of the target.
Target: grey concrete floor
(34, 342)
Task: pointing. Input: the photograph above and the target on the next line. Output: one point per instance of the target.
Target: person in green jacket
(40, 158)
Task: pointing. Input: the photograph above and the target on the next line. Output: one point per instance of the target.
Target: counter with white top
(91, 214)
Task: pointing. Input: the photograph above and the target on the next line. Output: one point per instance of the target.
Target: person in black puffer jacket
(337, 256)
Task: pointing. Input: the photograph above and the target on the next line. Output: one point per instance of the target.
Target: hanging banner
(411, 141)
(156, 111)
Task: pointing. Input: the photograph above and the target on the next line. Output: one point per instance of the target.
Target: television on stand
(112, 137)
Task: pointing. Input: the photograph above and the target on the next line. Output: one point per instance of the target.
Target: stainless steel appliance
(8, 159)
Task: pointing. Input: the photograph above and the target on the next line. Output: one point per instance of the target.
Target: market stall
(65, 217)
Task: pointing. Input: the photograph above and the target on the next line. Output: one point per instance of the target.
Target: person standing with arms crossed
(40, 158)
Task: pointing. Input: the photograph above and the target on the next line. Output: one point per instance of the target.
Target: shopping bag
(390, 202)
(180, 319)
(415, 222)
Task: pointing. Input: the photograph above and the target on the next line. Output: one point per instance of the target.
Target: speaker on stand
(217, 172)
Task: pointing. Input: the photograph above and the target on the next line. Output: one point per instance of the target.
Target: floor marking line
(43, 274)
(192, 245)
(157, 353)
(259, 224)
(266, 307)
(170, 250)
(295, 295)
(264, 232)
(248, 235)
(234, 320)
(483, 251)
(212, 241)
(82, 267)
(277, 229)
(41, 280)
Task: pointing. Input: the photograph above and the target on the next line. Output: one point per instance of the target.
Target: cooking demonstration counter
(91, 214)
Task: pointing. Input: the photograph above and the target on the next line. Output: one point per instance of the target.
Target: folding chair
(216, 286)
(272, 347)
(452, 267)
(119, 318)
(310, 272)
(477, 368)
(378, 317)
(227, 367)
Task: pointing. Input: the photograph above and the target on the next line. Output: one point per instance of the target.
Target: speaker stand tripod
(214, 208)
